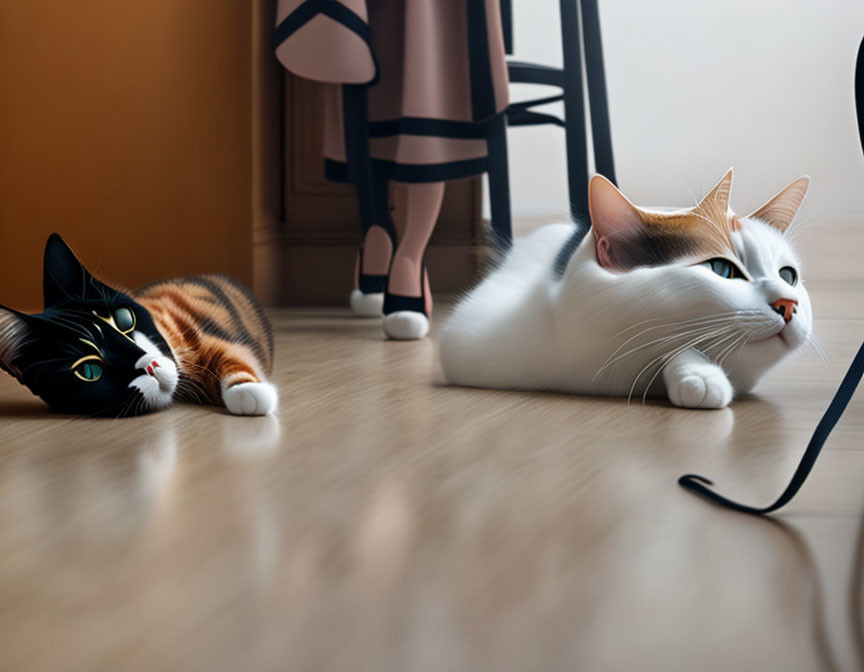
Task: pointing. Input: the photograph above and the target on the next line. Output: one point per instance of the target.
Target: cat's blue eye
(789, 275)
(724, 268)
(89, 370)
(124, 319)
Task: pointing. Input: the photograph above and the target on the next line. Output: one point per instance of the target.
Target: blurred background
(126, 127)
(161, 138)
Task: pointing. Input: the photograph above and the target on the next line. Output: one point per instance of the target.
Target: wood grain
(384, 522)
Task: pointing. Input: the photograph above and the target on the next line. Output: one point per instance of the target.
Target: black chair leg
(597, 100)
(499, 181)
(580, 21)
(574, 110)
(507, 25)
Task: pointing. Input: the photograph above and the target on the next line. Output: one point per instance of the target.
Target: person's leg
(370, 273)
(376, 251)
(414, 209)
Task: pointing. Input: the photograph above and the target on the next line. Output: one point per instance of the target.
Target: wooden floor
(385, 522)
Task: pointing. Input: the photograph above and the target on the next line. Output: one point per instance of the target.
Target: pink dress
(412, 85)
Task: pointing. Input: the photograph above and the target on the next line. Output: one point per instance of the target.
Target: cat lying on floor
(97, 351)
(694, 304)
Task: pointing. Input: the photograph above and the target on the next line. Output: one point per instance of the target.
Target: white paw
(700, 386)
(367, 305)
(250, 399)
(405, 325)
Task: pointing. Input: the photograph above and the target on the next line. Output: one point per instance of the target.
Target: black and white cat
(695, 305)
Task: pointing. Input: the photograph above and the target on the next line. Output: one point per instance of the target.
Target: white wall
(765, 86)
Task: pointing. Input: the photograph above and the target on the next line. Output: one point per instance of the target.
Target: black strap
(369, 283)
(835, 410)
(416, 304)
(396, 302)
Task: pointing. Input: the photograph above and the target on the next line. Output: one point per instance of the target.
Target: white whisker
(685, 334)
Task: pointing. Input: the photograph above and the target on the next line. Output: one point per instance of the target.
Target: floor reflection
(246, 438)
(810, 572)
(856, 595)
(157, 464)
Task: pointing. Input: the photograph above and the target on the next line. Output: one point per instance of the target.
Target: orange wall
(125, 127)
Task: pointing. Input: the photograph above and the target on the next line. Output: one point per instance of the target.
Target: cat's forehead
(700, 231)
(72, 321)
(761, 247)
(96, 307)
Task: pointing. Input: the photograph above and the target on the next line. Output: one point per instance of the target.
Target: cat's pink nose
(785, 308)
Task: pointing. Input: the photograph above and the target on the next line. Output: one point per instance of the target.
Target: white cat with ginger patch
(694, 305)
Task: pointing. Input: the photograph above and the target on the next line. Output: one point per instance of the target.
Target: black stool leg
(499, 181)
(600, 127)
(507, 25)
(574, 110)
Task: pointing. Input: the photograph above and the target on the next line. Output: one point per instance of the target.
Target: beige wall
(125, 127)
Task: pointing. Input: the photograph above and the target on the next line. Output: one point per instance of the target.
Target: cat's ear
(14, 331)
(612, 217)
(717, 200)
(64, 278)
(782, 208)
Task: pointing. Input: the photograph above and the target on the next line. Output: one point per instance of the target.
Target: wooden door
(125, 127)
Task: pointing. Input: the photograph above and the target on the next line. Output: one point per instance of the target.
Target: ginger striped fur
(217, 332)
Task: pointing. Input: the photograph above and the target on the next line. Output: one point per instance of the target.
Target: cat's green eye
(789, 275)
(88, 369)
(124, 319)
(724, 268)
